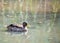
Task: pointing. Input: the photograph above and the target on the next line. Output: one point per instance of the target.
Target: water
(38, 32)
(43, 28)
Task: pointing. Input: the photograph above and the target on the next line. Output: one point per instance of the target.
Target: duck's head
(24, 24)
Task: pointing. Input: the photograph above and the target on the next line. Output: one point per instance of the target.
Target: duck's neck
(25, 27)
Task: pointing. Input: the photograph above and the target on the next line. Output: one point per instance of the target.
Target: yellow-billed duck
(15, 28)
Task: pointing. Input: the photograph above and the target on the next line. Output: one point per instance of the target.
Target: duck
(15, 28)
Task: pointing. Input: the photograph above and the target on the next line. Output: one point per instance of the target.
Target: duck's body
(15, 28)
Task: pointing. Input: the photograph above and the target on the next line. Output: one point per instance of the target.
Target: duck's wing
(19, 27)
(13, 25)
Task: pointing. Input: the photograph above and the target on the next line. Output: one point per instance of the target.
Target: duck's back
(15, 28)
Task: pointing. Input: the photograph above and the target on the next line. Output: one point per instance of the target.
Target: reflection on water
(43, 27)
(39, 32)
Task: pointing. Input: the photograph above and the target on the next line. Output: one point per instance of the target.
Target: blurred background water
(42, 16)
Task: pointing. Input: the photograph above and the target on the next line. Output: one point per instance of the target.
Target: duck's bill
(28, 25)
